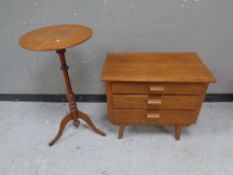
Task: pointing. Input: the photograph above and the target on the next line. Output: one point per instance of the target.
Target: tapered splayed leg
(121, 131)
(178, 132)
(63, 123)
(87, 119)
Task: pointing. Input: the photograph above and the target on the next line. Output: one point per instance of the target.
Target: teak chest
(155, 88)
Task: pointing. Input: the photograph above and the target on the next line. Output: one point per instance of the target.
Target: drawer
(157, 88)
(154, 102)
(153, 116)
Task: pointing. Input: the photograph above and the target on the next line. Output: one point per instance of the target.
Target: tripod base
(76, 122)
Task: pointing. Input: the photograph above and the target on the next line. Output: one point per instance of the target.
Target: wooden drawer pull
(156, 88)
(154, 101)
(153, 115)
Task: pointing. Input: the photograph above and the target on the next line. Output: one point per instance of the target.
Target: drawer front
(157, 88)
(153, 116)
(154, 102)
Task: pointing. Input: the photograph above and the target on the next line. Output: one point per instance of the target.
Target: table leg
(74, 113)
(87, 119)
(121, 131)
(69, 92)
(178, 131)
(63, 124)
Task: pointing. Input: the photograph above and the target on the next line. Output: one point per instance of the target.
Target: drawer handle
(156, 88)
(154, 102)
(153, 115)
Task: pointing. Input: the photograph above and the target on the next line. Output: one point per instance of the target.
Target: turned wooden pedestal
(58, 38)
(155, 88)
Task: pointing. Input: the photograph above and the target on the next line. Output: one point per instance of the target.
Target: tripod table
(58, 38)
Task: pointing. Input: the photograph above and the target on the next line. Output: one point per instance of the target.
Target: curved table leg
(87, 119)
(63, 123)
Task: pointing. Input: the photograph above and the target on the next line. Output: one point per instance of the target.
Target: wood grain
(169, 117)
(156, 67)
(200, 101)
(56, 37)
(155, 88)
(109, 100)
(167, 102)
(147, 88)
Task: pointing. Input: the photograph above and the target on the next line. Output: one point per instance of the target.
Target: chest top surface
(156, 67)
(55, 37)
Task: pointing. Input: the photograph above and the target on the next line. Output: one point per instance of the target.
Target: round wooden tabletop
(56, 37)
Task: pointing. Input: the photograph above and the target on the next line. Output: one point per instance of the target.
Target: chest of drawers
(155, 88)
